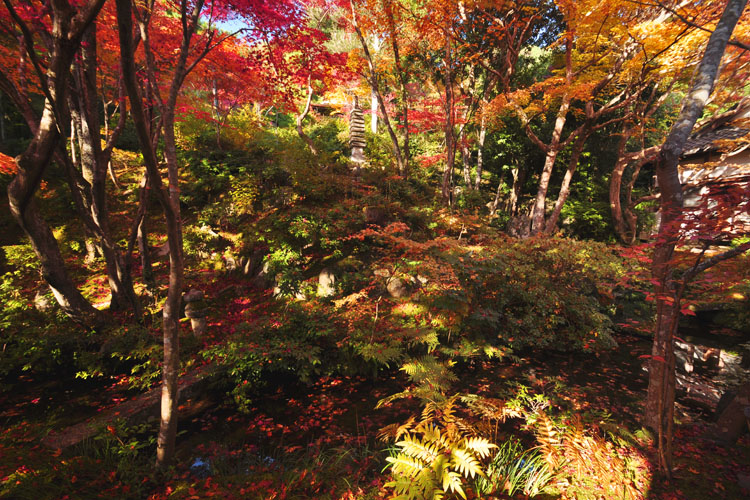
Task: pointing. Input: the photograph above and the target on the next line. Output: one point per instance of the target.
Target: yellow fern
(437, 454)
(548, 438)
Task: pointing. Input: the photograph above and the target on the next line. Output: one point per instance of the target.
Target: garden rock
(697, 392)
(253, 264)
(263, 280)
(42, 301)
(382, 273)
(326, 283)
(230, 263)
(733, 420)
(397, 288)
(375, 215)
(694, 357)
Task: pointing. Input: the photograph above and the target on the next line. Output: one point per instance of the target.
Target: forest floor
(300, 434)
(317, 440)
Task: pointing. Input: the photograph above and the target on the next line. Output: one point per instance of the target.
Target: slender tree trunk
(660, 400)
(623, 218)
(562, 197)
(450, 137)
(553, 149)
(81, 181)
(373, 111)
(515, 191)
(615, 188)
(480, 153)
(107, 117)
(144, 250)
(496, 201)
(139, 235)
(631, 219)
(94, 166)
(402, 80)
(374, 85)
(301, 118)
(170, 205)
(465, 159)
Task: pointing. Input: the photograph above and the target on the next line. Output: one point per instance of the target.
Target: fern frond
(389, 399)
(428, 413)
(432, 433)
(480, 446)
(465, 463)
(425, 484)
(452, 481)
(549, 439)
(395, 431)
(414, 447)
(405, 465)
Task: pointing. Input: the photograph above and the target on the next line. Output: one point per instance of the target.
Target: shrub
(545, 293)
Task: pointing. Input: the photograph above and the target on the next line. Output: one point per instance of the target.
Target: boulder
(194, 295)
(230, 263)
(42, 301)
(263, 279)
(397, 288)
(326, 283)
(383, 273)
(734, 419)
(375, 215)
(253, 264)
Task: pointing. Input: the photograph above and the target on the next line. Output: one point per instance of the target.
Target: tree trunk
(480, 153)
(373, 111)
(465, 159)
(660, 400)
(615, 188)
(301, 118)
(94, 166)
(402, 80)
(562, 197)
(139, 235)
(519, 178)
(624, 219)
(553, 149)
(496, 201)
(450, 138)
(147, 271)
(33, 162)
(170, 205)
(373, 80)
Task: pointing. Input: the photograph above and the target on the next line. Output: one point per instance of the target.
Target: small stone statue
(195, 309)
(357, 135)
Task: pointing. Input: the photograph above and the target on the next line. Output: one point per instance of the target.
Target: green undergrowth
(434, 310)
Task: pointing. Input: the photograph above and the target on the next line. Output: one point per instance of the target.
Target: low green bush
(542, 293)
